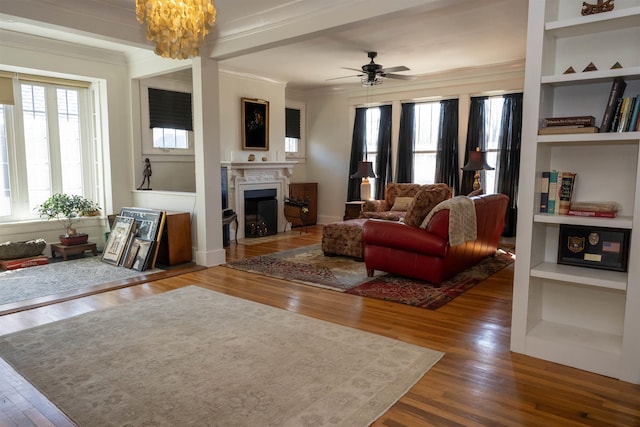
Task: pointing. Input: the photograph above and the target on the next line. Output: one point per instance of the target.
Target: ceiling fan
(373, 74)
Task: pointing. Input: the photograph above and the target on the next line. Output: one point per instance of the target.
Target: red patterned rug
(308, 265)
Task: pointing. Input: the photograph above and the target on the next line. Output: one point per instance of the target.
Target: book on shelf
(570, 121)
(544, 191)
(595, 206)
(566, 182)
(633, 123)
(561, 130)
(617, 90)
(628, 115)
(593, 214)
(553, 192)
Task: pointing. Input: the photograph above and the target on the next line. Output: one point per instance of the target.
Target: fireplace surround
(247, 176)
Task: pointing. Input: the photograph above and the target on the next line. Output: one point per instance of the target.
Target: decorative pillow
(425, 200)
(402, 203)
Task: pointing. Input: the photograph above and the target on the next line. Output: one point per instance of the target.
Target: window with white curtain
(427, 129)
(493, 123)
(45, 147)
(372, 129)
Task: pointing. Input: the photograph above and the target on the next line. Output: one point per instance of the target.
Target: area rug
(195, 357)
(308, 265)
(59, 277)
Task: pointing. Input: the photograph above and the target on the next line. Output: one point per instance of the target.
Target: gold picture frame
(255, 124)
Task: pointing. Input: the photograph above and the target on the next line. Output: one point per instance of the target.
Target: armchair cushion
(425, 200)
(401, 204)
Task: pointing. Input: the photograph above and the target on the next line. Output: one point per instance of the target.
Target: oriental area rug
(195, 357)
(308, 265)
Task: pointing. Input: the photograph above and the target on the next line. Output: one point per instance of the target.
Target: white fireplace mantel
(245, 176)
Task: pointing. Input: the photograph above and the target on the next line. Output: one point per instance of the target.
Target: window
(294, 146)
(493, 123)
(44, 147)
(372, 129)
(427, 128)
(166, 119)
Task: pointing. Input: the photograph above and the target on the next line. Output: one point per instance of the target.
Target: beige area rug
(194, 357)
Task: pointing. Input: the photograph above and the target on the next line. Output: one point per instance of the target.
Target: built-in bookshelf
(578, 316)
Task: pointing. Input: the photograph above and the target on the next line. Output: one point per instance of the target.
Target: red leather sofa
(425, 254)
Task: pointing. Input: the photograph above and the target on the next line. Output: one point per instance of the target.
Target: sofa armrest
(375, 206)
(398, 235)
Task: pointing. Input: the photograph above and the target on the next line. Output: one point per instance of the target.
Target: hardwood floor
(479, 382)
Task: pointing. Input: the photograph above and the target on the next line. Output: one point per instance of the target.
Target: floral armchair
(394, 206)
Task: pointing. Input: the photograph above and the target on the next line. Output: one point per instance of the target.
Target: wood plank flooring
(479, 382)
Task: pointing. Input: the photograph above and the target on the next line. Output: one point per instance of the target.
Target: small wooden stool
(65, 250)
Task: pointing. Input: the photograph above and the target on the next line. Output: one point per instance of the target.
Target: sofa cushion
(386, 215)
(425, 200)
(401, 204)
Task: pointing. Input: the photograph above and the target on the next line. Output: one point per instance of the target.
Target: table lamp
(477, 162)
(365, 171)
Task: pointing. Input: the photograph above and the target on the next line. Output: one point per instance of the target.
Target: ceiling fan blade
(399, 77)
(394, 69)
(344, 77)
(352, 69)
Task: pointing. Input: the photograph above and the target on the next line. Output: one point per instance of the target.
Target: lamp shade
(365, 170)
(477, 161)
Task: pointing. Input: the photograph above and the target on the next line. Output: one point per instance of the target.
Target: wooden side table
(352, 210)
(65, 250)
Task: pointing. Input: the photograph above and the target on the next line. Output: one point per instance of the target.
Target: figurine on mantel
(252, 157)
(146, 174)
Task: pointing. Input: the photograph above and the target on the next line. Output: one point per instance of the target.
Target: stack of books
(556, 191)
(594, 209)
(564, 125)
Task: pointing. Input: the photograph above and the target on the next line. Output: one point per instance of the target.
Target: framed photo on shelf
(118, 238)
(255, 124)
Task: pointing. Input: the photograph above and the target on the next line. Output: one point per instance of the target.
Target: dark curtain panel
(508, 167)
(383, 159)
(404, 163)
(475, 139)
(357, 153)
(447, 169)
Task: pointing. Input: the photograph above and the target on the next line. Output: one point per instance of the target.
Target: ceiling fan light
(366, 81)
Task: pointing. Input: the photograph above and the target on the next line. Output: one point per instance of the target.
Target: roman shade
(170, 110)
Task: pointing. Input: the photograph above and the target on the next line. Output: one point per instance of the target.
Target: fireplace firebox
(260, 212)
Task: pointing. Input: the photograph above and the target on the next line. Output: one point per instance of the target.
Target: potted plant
(66, 208)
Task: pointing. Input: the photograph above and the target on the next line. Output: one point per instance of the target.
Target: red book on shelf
(596, 214)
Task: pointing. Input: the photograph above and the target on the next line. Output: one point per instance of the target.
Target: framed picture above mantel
(255, 124)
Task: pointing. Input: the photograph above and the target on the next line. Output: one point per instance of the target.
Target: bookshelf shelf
(619, 222)
(578, 316)
(581, 275)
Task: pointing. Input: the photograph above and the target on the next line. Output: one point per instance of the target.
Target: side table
(65, 250)
(352, 210)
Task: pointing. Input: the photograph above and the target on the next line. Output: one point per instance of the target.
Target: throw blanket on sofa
(462, 219)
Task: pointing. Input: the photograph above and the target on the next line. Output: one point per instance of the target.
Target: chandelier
(177, 27)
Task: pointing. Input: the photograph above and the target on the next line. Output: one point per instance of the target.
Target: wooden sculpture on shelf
(601, 6)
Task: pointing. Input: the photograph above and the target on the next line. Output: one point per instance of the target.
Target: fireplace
(260, 212)
(248, 176)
